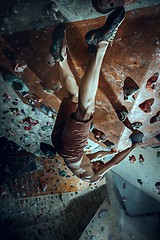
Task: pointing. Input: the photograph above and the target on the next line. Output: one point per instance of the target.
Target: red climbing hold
(146, 105)
(132, 159)
(151, 83)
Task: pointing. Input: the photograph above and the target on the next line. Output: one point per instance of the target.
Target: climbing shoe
(107, 31)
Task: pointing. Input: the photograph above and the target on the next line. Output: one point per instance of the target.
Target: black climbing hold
(157, 137)
(13, 81)
(136, 137)
(48, 150)
(155, 118)
(129, 88)
(122, 114)
(109, 144)
(139, 181)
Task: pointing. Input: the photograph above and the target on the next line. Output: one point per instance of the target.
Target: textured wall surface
(28, 14)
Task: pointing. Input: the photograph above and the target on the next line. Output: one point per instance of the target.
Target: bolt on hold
(141, 158)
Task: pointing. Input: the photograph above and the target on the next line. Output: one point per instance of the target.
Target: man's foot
(107, 31)
(59, 38)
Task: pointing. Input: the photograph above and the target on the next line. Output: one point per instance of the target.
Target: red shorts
(69, 136)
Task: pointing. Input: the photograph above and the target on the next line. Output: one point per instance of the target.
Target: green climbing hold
(62, 173)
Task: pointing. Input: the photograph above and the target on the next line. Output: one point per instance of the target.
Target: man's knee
(84, 113)
(90, 108)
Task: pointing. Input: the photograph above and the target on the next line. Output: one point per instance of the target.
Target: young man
(74, 118)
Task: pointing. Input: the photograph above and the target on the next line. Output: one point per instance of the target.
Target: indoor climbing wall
(129, 89)
(128, 59)
(50, 216)
(110, 222)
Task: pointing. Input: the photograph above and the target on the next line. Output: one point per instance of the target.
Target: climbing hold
(139, 181)
(57, 161)
(146, 105)
(129, 88)
(93, 237)
(15, 111)
(27, 128)
(4, 112)
(158, 154)
(68, 176)
(124, 198)
(132, 159)
(151, 83)
(30, 121)
(109, 144)
(17, 64)
(157, 185)
(14, 82)
(157, 137)
(110, 237)
(34, 98)
(48, 150)
(122, 115)
(5, 100)
(22, 111)
(7, 96)
(136, 125)
(15, 103)
(10, 132)
(43, 185)
(136, 137)
(102, 213)
(124, 185)
(45, 127)
(141, 158)
(62, 173)
(102, 229)
(31, 102)
(155, 118)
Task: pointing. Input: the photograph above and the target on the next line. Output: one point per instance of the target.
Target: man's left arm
(99, 173)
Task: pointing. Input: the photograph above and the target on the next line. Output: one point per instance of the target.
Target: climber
(75, 114)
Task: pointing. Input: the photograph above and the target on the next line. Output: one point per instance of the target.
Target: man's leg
(67, 79)
(69, 104)
(89, 84)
